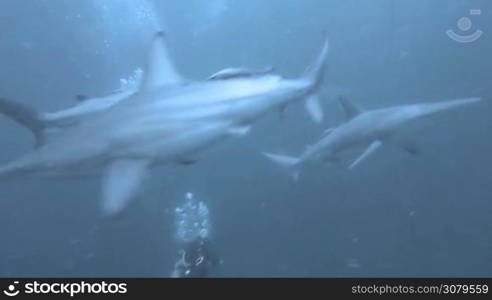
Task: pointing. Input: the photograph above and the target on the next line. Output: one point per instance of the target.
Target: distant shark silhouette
(169, 119)
(371, 128)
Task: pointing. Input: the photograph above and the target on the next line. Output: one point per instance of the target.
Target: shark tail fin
(287, 162)
(316, 74)
(25, 116)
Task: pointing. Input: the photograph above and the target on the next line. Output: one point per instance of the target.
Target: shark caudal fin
(285, 161)
(316, 74)
(26, 117)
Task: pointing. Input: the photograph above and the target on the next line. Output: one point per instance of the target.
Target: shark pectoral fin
(314, 109)
(287, 162)
(160, 70)
(240, 130)
(327, 132)
(121, 182)
(281, 111)
(296, 175)
(349, 108)
(372, 147)
(282, 160)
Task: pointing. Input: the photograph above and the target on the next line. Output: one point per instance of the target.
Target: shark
(366, 128)
(168, 120)
(42, 124)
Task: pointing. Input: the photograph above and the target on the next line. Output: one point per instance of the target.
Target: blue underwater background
(394, 215)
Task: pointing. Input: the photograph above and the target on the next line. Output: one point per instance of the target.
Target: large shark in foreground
(168, 119)
(41, 124)
(370, 129)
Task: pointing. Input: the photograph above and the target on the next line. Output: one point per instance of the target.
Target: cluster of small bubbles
(144, 13)
(192, 219)
(353, 263)
(104, 8)
(217, 8)
(127, 15)
(132, 82)
(106, 43)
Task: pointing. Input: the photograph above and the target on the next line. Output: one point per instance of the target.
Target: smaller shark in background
(371, 129)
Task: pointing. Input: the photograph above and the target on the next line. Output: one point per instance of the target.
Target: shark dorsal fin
(372, 147)
(327, 132)
(160, 70)
(351, 110)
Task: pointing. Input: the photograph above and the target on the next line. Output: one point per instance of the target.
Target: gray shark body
(363, 128)
(43, 123)
(167, 120)
(86, 108)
